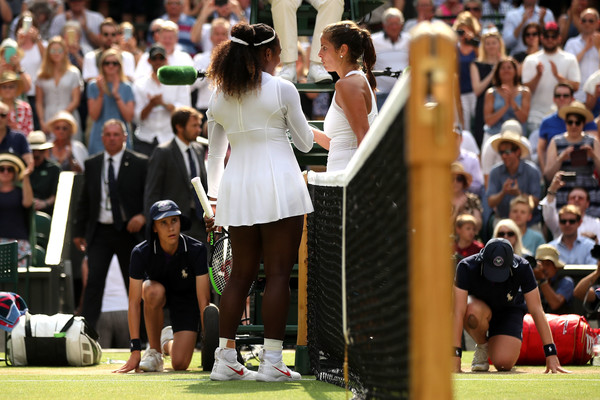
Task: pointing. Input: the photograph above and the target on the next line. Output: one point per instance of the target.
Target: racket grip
(202, 197)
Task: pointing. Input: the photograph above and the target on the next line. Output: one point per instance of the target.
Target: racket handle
(202, 197)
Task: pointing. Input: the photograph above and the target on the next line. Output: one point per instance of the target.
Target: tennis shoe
(318, 74)
(151, 361)
(480, 358)
(165, 336)
(288, 72)
(278, 372)
(225, 370)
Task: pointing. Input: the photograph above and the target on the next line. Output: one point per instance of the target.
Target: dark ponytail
(369, 57)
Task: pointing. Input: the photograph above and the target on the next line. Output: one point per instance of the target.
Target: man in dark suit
(110, 214)
(172, 166)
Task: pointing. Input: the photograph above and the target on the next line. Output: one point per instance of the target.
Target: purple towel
(12, 306)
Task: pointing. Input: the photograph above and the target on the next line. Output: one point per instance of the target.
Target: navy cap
(497, 259)
(167, 208)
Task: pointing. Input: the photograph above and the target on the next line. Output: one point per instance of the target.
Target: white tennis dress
(262, 181)
(343, 140)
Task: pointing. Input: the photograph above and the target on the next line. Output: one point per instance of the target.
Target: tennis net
(358, 286)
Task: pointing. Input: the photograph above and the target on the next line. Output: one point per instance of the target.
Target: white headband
(240, 41)
(265, 41)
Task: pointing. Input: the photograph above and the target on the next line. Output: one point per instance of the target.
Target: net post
(302, 363)
(431, 149)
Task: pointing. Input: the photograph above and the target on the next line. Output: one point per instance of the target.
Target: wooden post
(431, 149)
(302, 362)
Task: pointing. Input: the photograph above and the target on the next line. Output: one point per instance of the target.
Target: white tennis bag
(53, 340)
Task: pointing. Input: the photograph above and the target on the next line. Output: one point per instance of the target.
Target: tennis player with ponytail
(261, 194)
(348, 50)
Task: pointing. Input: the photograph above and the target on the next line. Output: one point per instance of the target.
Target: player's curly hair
(360, 45)
(236, 64)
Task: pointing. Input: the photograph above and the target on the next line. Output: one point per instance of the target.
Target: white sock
(273, 349)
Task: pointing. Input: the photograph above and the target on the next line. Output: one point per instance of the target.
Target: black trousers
(106, 242)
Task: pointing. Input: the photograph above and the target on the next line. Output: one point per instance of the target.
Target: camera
(473, 42)
(595, 252)
(569, 176)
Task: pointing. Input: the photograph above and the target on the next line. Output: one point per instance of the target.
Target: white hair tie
(265, 41)
(240, 41)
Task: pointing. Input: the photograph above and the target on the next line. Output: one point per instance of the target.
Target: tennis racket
(219, 266)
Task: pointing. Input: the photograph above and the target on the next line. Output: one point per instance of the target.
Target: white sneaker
(151, 361)
(165, 335)
(288, 72)
(279, 372)
(318, 74)
(480, 358)
(226, 370)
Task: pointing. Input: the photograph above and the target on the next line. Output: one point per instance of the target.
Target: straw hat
(576, 107)
(510, 136)
(8, 76)
(547, 252)
(66, 117)
(37, 141)
(14, 161)
(457, 168)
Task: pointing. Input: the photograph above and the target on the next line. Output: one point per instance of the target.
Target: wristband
(458, 352)
(551, 192)
(549, 349)
(135, 345)
(542, 281)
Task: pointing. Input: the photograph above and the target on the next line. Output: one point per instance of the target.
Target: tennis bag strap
(573, 336)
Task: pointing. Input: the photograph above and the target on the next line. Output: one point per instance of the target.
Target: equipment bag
(573, 337)
(53, 340)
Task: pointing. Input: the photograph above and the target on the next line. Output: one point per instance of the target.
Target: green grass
(99, 383)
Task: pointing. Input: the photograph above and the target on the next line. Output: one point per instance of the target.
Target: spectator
(42, 13)
(494, 12)
(58, 86)
(174, 13)
(513, 177)
(464, 202)
(448, 10)
(543, 70)
(531, 39)
(467, 28)
(172, 166)
(470, 163)
(521, 212)
(475, 8)
(585, 48)
(391, 48)
(71, 34)
(586, 290)
(506, 99)
(15, 201)
(556, 291)
(154, 31)
(167, 37)
(127, 41)
(109, 37)
(508, 229)
(591, 88)
(110, 213)
(67, 151)
(590, 226)
(13, 141)
(88, 20)
(425, 12)
(44, 178)
(154, 103)
(12, 63)
(285, 24)
(575, 151)
(465, 230)
(231, 10)
(109, 96)
(570, 22)
(20, 116)
(518, 18)
(573, 248)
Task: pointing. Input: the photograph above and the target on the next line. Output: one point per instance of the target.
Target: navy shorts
(184, 313)
(507, 321)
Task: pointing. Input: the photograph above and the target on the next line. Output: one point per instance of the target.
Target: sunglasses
(3, 115)
(113, 63)
(575, 122)
(568, 221)
(505, 234)
(8, 86)
(7, 169)
(588, 21)
(472, 8)
(61, 127)
(105, 34)
(158, 57)
(562, 95)
(507, 152)
(550, 35)
(531, 34)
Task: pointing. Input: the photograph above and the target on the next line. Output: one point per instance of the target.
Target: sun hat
(458, 169)
(37, 141)
(8, 77)
(548, 252)
(510, 136)
(66, 117)
(512, 125)
(497, 259)
(576, 107)
(14, 161)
